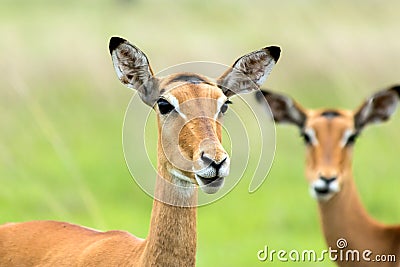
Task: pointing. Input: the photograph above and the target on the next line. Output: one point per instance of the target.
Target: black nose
(328, 180)
(211, 162)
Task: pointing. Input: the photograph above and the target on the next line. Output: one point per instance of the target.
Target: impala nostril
(328, 180)
(211, 162)
(206, 159)
(222, 161)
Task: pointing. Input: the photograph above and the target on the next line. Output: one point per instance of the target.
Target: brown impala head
(329, 135)
(190, 108)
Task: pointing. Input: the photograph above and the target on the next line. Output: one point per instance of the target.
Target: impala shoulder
(6, 225)
(119, 234)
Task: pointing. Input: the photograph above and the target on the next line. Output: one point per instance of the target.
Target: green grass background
(62, 108)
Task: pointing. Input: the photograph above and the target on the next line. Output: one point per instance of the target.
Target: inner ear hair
(133, 69)
(249, 72)
(377, 108)
(283, 108)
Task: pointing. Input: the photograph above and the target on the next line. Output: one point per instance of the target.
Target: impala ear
(133, 69)
(283, 108)
(249, 72)
(378, 108)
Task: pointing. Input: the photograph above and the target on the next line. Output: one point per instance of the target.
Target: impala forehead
(189, 96)
(330, 126)
(330, 118)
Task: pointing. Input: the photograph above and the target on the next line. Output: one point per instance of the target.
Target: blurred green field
(62, 108)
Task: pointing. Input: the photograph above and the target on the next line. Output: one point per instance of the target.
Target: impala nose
(322, 186)
(212, 172)
(328, 180)
(208, 161)
(212, 167)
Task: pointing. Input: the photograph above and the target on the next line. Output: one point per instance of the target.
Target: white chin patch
(320, 197)
(210, 185)
(322, 191)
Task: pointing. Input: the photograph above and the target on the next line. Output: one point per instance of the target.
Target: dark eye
(164, 106)
(306, 138)
(224, 107)
(352, 139)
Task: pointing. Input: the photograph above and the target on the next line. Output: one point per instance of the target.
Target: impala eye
(352, 139)
(164, 106)
(306, 138)
(225, 106)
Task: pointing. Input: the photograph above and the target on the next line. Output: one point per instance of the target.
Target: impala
(329, 135)
(189, 111)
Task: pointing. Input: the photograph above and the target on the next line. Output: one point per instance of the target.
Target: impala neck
(344, 216)
(172, 235)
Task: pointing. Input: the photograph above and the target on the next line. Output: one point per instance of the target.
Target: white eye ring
(349, 138)
(310, 136)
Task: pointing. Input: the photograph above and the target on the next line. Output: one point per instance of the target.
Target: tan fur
(328, 158)
(329, 135)
(172, 235)
(190, 153)
(344, 216)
